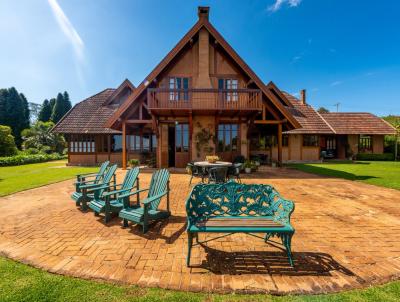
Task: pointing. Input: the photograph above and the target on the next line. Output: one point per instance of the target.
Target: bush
(378, 157)
(7, 143)
(134, 162)
(23, 159)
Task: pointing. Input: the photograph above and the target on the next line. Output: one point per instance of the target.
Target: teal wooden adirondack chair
(143, 215)
(111, 201)
(95, 178)
(87, 190)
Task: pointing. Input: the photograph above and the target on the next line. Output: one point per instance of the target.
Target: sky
(345, 52)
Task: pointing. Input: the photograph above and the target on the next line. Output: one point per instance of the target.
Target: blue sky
(340, 51)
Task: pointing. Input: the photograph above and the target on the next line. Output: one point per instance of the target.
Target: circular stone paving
(347, 236)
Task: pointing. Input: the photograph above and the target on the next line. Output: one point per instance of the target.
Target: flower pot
(247, 170)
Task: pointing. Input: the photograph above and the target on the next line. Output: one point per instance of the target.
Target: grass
(380, 173)
(19, 282)
(18, 178)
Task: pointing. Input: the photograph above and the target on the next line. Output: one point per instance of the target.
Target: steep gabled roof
(202, 22)
(125, 84)
(358, 123)
(88, 116)
(310, 120)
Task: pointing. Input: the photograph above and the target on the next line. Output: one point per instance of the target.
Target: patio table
(205, 165)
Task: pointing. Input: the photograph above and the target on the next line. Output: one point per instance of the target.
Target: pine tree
(26, 123)
(67, 102)
(14, 113)
(3, 100)
(58, 109)
(52, 103)
(61, 107)
(45, 111)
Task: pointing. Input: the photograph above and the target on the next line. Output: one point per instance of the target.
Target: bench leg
(125, 223)
(287, 242)
(267, 236)
(190, 243)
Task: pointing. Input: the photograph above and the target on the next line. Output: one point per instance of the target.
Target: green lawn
(380, 173)
(17, 178)
(19, 282)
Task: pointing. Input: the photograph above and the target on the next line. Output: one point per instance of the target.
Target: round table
(206, 164)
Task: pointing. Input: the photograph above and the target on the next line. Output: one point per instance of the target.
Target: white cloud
(336, 83)
(68, 29)
(278, 4)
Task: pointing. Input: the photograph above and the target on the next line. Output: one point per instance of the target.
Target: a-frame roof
(125, 84)
(201, 23)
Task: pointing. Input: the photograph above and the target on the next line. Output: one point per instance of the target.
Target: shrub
(378, 157)
(7, 143)
(23, 159)
(134, 162)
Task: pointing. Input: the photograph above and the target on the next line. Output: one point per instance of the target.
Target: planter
(273, 165)
(247, 170)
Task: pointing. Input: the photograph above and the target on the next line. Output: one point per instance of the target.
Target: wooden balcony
(164, 101)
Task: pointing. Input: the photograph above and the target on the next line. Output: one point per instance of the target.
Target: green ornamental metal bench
(149, 212)
(239, 208)
(94, 178)
(86, 194)
(111, 201)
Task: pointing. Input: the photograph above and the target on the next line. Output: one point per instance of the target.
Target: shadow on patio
(265, 262)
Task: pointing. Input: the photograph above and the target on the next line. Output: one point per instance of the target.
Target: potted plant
(254, 166)
(212, 159)
(247, 166)
(134, 162)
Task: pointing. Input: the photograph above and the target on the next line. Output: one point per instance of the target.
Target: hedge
(23, 159)
(369, 156)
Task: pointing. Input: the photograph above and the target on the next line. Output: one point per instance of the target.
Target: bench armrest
(282, 209)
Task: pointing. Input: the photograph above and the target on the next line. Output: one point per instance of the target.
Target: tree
(323, 110)
(61, 107)
(40, 137)
(52, 103)
(14, 110)
(27, 114)
(7, 143)
(45, 111)
(34, 110)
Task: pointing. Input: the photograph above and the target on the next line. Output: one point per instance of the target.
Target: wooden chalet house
(201, 99)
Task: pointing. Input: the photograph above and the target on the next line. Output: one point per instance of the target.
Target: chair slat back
(108, 176)
(130, 178)
(102, 170)
(158, 185)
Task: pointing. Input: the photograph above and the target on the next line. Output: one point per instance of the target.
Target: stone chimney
(303, 96)
(203, 76)
(203, 11)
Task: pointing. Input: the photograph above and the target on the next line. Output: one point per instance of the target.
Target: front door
(228, 141)
(171, 146)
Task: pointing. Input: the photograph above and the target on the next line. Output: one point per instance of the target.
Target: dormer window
(229, 84)
(178, 87)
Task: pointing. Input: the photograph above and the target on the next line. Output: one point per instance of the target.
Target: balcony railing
(205, 99)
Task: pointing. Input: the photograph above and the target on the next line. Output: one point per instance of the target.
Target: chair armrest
(132, 193)
(150, 199)
(96, 186)
(86, 174)
(85, 182)
(116, 192)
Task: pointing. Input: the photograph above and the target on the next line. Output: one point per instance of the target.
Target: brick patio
(347, 236)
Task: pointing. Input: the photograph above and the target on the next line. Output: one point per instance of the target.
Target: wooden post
(190, 135)
(124, 145)
(280, 145)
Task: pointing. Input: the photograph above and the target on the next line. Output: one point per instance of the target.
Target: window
(227, 137)
(146, 142)
(116, 143)
(285, 140)
(310, 141)
(179, 87)
(365, 143)
(153, 143)
(134, 143)
(182, 138)
(229, 84)
(82, 144)
(102, 144)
